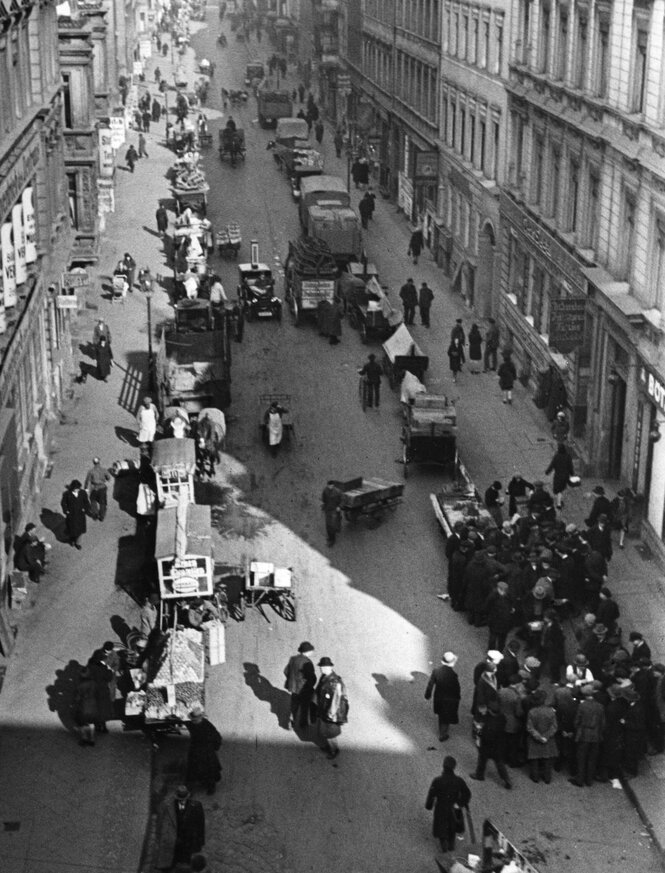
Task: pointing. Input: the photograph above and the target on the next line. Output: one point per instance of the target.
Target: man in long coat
(180, 830)
(76, 506)
(446, 793)
(300, 683)
(445, 684)
(202, 761)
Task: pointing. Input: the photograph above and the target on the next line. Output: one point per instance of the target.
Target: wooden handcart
(268, 585)
(430, 433)
(368, 497)
(174, 463)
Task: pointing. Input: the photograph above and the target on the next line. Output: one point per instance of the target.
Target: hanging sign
(8, 264)
(117, 125)
(19, 244)
(105, 152)
(29, 226)
(105, 196)
(567, 323)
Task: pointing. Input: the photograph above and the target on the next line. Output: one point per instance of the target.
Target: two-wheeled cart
(268, 585)
(429, 435)
(368, 497)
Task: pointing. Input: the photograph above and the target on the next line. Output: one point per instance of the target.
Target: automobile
(256, 289)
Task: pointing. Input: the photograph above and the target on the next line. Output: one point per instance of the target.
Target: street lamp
(145, 280)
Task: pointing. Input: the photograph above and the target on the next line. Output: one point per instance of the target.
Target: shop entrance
(617, 420)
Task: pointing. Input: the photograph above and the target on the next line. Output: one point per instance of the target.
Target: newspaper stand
(174, 463)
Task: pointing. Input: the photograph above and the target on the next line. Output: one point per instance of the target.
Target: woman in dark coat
(76, 507)
(446, 794)
(202, 762)
(445, 684)
(475, 349)
(507, 375)
(455, 357)
(416, 244)
(562, 467)
(104, 359)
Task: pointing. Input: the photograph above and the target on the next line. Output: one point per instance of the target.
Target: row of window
(417, 16)
(472, 129)
(474, 35)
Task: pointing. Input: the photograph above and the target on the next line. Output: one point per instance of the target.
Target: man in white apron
(275, 426)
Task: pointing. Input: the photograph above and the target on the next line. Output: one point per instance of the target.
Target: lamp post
(146, 286)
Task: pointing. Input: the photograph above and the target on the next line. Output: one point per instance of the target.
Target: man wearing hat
(494, 502)
(492, 744)
(578, 673)
(445, 684)
(332, 707)
(180, 830)
(204, 742)
(372, 373)
(599, 537)
(560, 427)
(540, 501)
(300, 683)
(457, 569)
(447, 795)
(409, 297)
(500, 614)
(601, 506)
(331, 499)
(635, 732)
(589, 730)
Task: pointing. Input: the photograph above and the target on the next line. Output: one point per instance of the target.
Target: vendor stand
(174, 463)
(183, 551)
(460, 501)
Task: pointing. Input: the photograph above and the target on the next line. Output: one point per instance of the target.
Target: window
(447, 25)
(485, 42)
(498, 55)
(495, 150)
(518, 149)
(462, 124)
(573, 196)
(473, 39)
(482, 143)
(555, 176)
(658, 261)
(464, 40)
(562, 45)
(544, 40)
(472, 137)
(639, 71)
(581, 52)
(66, 101)
(602, 59)
(453, 34)
(537, 168)
(453, 123)
(593, 209)
(73, 200)
(526, 31)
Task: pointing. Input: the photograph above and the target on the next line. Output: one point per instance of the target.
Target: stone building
(583, 228)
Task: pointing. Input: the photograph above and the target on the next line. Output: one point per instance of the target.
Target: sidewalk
(65, 807)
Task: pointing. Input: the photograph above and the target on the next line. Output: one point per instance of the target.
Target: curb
(646, 821)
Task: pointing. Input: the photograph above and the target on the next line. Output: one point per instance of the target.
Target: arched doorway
(485, 272)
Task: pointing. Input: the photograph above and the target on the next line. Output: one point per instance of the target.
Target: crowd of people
(587, 701)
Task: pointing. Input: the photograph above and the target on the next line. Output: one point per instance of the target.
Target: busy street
(370, 597)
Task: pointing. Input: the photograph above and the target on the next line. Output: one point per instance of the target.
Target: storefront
(537, 270)
(649, 453)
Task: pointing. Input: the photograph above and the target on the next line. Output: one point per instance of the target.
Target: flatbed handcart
(460, 501)
(229, 240)
(268, 585)
(174, 463)
(401, 354)
(368, 497)
(429, 435)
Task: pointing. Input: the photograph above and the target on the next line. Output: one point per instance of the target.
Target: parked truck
(339, 227)
(272, 104)
(310, 277)
(193, 360)
(321, 190)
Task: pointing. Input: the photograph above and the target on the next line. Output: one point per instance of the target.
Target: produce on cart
(368, 497)
(460, 501)
(229, 240)
(176, 676)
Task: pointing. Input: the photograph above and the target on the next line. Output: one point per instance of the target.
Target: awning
(617, 293)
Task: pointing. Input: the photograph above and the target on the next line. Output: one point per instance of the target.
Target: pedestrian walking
(274, 426)
(131, 157)
(507, 375)
(492, 340)
(76, 507)
(300, 683)
(318, 131)
(475, 349)
(500, 614)
(146, 118)
(96, 486)
(104, 666)
(492, 744)
(494, 503)
(409, 297)
(142, 149)
(30, 553)
(560, 427)
(331, 499)
(589, 730)
(372, 373)
(104, 358)
(338, 141)
(101, 330)
(444, 682)
(562, 467)
(180, 829)
(156, 110)
(541, 728)
(332, 707)
(130, 269)
(147, 418)
(457, 332)
(425, 298)
(158, 72)
(301, 93)
(416, 243)
(455, 357)
(448, 796)
(204, 742)
(365, 209)
(85, 707)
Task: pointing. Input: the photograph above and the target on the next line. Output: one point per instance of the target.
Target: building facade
(474, 70)
(583, 229)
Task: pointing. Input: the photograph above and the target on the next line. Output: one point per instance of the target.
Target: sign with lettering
(29, 226)
(105, 196)
(75, 279)
(105, 152)
(427, 165)
(16, 177)
(67, 301)
(567, 323)
(189, 576)
(654, 388)
(19, 244)
(8, 263)
(118, 130)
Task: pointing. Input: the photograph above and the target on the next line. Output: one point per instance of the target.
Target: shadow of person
(120, 628)
(277, 698)
(61, 693)
(55, 522)
(125, 435)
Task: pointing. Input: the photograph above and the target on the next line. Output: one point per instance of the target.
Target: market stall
(176, 676)
(183, 551)
(460, 501)
(174, 463)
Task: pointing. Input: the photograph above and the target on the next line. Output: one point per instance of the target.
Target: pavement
(64, 807)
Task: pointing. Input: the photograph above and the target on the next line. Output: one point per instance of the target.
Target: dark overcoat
(562, 467)
(76, 508)
(202, 761)
(444, 682)
(192, 834)
(444, 792)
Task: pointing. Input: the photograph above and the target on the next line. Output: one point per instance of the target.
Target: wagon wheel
(285, 606)
(405, 459)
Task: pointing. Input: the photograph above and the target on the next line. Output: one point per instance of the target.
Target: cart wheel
(295, 312)
(242, 608)
(286, 607)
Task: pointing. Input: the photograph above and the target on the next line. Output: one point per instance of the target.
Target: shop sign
(654, 388)
(29, 226)
(145, 49)
(105, 196)
(19, 244)
(118, 130)
(8, 264)
(16, 178)
(186, 577)
(427, 165)
(105, 152)
(567, 323)
(67, 301)
(75, 279)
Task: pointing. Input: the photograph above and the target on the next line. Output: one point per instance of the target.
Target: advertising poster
(105, 152)
(117, 123)
(19, 245)
(29, 226)
(8, 264)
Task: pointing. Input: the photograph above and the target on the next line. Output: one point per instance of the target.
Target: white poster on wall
(19, 244)
(8, 264)
(105, 152)
(29, 226)
(118, 129)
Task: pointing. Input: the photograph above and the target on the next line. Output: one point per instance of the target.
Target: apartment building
(473, 130)
(583, 226)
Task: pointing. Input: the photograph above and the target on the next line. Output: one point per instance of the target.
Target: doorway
(617, 420)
